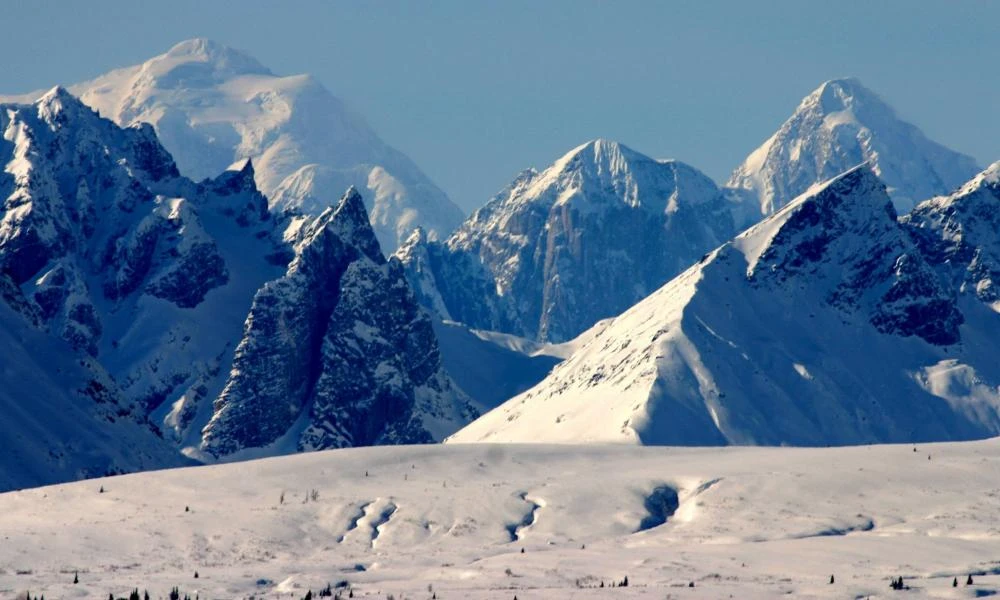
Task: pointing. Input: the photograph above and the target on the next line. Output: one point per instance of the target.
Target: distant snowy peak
(838, 126)
(217, 57)
(212, 105)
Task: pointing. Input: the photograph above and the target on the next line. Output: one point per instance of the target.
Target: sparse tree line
(342, 590)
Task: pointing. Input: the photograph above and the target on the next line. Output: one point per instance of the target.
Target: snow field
(751, 522)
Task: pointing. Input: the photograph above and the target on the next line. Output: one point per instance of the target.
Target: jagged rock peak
(800, 232)
(240, 176)
(418, 236)
(988, 177)
(57, 103)
(350, 221)
(853, 187)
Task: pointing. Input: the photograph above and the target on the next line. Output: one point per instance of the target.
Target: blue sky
(476, 91)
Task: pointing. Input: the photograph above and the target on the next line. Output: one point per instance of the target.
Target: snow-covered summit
(841, 124)
(605, 173)
(217, 58)
(212, 105)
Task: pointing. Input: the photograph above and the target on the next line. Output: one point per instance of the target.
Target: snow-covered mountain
(830, 322)
(838, 126)
(212, 105)
(107, 251)
(556, 251)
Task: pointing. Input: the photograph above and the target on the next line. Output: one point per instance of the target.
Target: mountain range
(830, 322)
(604, 225)
(152, 320)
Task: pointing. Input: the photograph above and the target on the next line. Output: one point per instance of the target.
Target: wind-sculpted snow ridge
(557, 251)
(842, 124)
(212, 105)
(828, 323)
(107, 252)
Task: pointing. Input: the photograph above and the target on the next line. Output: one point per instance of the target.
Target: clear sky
(474, 91)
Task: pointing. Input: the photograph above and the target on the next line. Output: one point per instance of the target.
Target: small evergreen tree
(831, 579)
(969, 580)
(954, 582)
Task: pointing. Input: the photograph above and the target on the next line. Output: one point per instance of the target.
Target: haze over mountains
(212, 105)
(255, 313)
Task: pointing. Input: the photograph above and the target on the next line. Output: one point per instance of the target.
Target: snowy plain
(452, 520)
